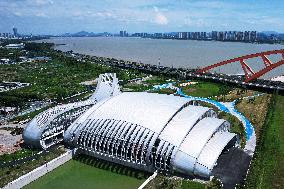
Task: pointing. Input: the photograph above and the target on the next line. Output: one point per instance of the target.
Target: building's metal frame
(145, 131)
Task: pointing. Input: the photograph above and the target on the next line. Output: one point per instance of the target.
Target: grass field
(56, 79)
(267, 170)
(75, 174)
(205, 89)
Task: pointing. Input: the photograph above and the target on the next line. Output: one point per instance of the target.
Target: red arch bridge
(250, 74)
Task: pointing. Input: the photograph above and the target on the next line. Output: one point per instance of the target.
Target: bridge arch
(250, 74)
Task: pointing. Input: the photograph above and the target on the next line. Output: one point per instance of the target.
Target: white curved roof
(210, 153)
(149, 110)
(155, 131)
(48, 115)
(84, 117)
(182, 123)
(189, 135)
(199, 135)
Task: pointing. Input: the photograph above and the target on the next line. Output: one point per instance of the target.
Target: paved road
(232, 167)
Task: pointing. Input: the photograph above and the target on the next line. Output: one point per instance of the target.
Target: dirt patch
(255, 109)
(9, 143)
(236, 94)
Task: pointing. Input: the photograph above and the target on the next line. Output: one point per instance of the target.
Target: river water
(176, 53)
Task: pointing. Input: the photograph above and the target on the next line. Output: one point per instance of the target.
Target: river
(176, 53)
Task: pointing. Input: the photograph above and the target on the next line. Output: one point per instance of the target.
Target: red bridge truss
(249, 73)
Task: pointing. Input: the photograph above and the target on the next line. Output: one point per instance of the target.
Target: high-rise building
(240, 36)
(247, 36)
(220, 36)
(253, 36)
(158, 35)
(214, 35)
(15, 32)
(123, 34)
(203, 35)
(182, 35)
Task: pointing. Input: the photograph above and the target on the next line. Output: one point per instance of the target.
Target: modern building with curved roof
(146, 131)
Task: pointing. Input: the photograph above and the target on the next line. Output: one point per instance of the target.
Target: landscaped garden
(10, 173)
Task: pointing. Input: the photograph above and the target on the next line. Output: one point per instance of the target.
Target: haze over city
(57, 17)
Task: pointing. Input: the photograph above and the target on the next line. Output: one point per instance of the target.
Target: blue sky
(61, 16)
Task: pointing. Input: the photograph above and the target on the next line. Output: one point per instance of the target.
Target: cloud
(97, 15)
(18, 14)
(42, 2)
(41, 14)
(160, 18)
(197, 22)
(137, 15)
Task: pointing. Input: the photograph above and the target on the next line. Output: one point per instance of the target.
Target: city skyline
(57, 17)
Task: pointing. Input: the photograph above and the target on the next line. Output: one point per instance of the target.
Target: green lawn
(192, 185)
(75, 174)
(267, 170)
(205, 89)
(56, 79)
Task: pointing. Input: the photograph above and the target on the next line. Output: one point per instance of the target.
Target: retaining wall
(40, 171)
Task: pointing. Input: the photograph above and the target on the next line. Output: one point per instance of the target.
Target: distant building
(240, 36)
(182, 35)
(123, 34)
(214, 35)
(15, 46)
(40, 59)
(158, 35)
(15, 31)
(5, 61)
(247, 36)
(8, 110)
(253, 36)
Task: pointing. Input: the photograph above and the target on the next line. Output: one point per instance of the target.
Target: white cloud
(17, 13)
(42, 2)
(160, 18)
(94, 14)
(41, 14)
(197, 22)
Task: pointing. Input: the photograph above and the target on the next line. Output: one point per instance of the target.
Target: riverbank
(164, 52)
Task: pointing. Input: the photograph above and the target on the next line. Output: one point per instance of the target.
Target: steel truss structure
(142, 130)
(48, 127)
(248, 71)
(171, 134)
